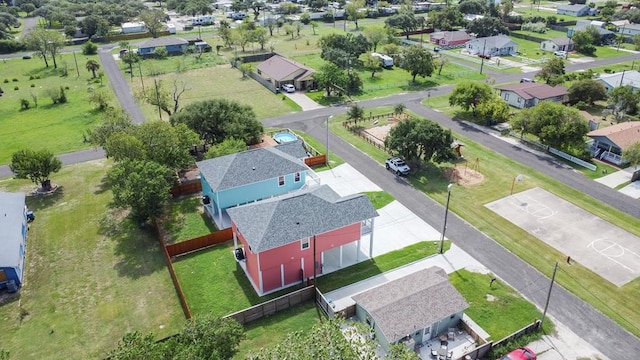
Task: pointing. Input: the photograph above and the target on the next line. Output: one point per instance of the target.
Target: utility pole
(158, 97)
(546, 305)
(315, 265)
(78, 71)
(446, 212)
(327, 152)
(483, 48)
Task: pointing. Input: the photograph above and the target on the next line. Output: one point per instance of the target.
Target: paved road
(119, 85)
(29, 24)
(605, 335)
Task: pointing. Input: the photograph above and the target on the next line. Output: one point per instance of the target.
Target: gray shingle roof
(248, 167)
(294, 148)
(574, 7)
(279, 68)
(529, 91)
(11, 220)
(498, 41)
(272, 223)
(163, 41)
(416, 301)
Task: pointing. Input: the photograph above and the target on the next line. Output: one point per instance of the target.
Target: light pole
(569, 35)
(446, 212)
(327, 152)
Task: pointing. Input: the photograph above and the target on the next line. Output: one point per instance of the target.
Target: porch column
(322, 262)
(219, 209)
(340, 256)
(358, 251)
(235, 241)
(282, 275)
(371, 239)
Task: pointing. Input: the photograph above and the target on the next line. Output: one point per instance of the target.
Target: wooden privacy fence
(314, 161)
(188, 188)
(273, 306)
(174, 277)
(199, 243)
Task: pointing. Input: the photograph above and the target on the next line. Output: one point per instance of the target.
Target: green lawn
(549, 34)
(498, 173)
(185, 219)
(91, 274)
(379, 199)
(58, 128)
(498, 309)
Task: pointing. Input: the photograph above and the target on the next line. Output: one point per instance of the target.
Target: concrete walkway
(620, 177)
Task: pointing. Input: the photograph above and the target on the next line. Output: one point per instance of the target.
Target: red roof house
(609, 142)
(449, 39)
(525, 95)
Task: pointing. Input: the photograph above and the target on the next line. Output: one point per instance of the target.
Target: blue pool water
(284, 137)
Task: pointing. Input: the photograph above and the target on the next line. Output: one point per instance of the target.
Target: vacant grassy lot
(91, 274)
(58, 128)
(498, 173)
(185, 219)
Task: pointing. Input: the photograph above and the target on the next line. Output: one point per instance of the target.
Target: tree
(54, 42)
(355, 113)
(632, 154)
(166, 144)
(469, 94)
(141, 185)
(441, 62)
(447, 19)
(130, 58)
(226, 34)
(114, 120)
(341, 49)
(123, 146)
(401, 352)
(493, 109)
(94, 25)
(418, 139)
(552, 71)
(624, 100)
(583, 42)
(269, 23)
(227, 147)
(99, 98)
(587, 91)
(370, 63)
(352, 11)
(218, 119)
(487, 26)
(168, 100)
(37, 40)
(417, 61)
(153, 20)
(554, 124)
(399, 108)
(93, 66)
(89, 48)
(257, 6)
(314, 25)
(472, 7)
(405, 22)
(374, 34)
(506, 7)
(35, 165)
(316, 5)
(331, 77)
(7, 21)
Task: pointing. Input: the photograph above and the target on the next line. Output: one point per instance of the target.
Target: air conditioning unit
(206, 200)
(239, 252)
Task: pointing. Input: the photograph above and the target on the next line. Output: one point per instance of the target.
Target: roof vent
(297, 222)
(254, 168)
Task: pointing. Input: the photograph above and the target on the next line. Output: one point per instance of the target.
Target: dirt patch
(378, 133)
(463, 175)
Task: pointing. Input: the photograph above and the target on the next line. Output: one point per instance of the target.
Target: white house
(558, 44)
(492, 46)
(625, 78)
(573, 10)
(525, 95)
(133, 27)
(629, 29)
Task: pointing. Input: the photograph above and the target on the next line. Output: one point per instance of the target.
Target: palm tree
(93, 66)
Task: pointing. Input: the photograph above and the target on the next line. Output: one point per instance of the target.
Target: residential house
(449, 39)
(558, 44)
(471, 17)
(411, 309)
(133, 27)
(610, 142)
(280, 70)
(492, 46)
(282, 238)
(525, 95)
(573, 10)
(13, 240)
(606, 36)
(624, 78)
(250, 176)
(173, 45)
(629, 30)
(619, 24)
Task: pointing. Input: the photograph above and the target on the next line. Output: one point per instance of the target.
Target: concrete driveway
(303, 101)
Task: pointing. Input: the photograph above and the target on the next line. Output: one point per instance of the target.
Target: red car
(523, 353)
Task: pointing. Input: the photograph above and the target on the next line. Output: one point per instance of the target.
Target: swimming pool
(284, 137)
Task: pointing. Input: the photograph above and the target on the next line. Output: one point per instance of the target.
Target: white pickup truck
(397, 165)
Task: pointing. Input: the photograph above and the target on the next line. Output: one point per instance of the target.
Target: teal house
(174, 46)
(13, 240)
(250, 176)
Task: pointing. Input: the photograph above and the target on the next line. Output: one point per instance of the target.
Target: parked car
(523, 353)
(560, 54)
(486, 56)
(527, 80)
(397, 165)
(288, 88)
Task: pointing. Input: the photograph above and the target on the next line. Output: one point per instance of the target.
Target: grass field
(379, 199)
(185, 219)
(58, 128)
(91, 275)
(498, 173)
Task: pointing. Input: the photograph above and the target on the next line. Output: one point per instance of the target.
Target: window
(304, 244)
(280, 180)
(296, 177)
(506, 96)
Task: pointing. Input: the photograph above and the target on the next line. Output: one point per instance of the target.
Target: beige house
(279, 71)
(610, 142)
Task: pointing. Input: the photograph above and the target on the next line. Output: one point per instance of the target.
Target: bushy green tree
(493, 109)
(227, 147)
(624, 100)
(417, 61)
(370, 63)
(583, 42)
(375, 34)
(418, 139)
(552, 71)
(632, 154)
(35, 165)
(554, 124)
(447, 19)
(487, 26)
(89, 48)
(113, 121)
(331, 78)
(405, 21)
(587, 91)
(469, 94)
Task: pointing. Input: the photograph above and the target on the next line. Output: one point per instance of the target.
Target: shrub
(552, 20)
(57, 96)
(537, 27)
(607, 71)
(24, 104)
(161, 53)
(14, 80)
(16, 88)
(26, 57)
(6, 81)
(8, 46)
(33, 85)
(89, 48)
(581, 105)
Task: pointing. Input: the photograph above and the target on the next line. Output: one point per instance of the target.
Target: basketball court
(606, 249)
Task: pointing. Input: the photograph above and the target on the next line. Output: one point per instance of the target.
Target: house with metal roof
(557, 44)
(411, 309)
(449, 39)
(13, 240)
(279, 71)
(610, 142)
(525, 95)
(573, 10)
(250, 176)
(606, 36)
(492, 46)
(174, 46)
(279, 240)
(623, 78)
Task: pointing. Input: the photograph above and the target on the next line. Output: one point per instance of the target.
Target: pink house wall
(289, 256)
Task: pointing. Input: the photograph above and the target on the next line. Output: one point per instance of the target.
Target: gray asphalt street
(120, 86)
